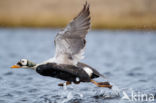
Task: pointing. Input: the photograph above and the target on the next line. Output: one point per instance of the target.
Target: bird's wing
(71, 41)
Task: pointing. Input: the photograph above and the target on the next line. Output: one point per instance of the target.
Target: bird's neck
(31, 65)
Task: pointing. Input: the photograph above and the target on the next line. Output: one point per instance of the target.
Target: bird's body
(70, 44)
(66, 72)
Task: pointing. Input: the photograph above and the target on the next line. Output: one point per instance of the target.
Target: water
(126, 58)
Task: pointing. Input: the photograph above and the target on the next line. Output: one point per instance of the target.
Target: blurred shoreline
(105, 14)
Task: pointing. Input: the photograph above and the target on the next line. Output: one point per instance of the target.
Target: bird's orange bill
(15, 66)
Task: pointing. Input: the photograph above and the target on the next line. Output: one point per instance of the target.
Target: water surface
(126, 58)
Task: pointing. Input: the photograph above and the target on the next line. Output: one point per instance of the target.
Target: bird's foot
(60, 84)
(102, 84)
(66, 83)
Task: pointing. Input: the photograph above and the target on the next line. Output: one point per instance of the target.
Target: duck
(69, 50)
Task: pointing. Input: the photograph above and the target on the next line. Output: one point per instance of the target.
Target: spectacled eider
(65, 64)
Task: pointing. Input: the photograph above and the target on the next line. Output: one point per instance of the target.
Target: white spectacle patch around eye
(23, 62)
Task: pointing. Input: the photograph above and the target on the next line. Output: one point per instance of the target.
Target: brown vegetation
(111, 14)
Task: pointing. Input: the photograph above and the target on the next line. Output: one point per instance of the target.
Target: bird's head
(24, 63)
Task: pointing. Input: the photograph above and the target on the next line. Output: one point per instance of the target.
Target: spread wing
(70, 42)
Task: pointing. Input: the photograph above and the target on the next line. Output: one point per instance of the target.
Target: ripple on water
(3, 101)
(8, 73)
(8, 95)
(135, 74)
(121, 56)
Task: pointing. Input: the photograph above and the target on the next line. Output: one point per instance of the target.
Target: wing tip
(85, 10)
(86, 7)
(86, 4)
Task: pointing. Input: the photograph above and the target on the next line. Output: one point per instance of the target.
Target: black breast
(63, 72)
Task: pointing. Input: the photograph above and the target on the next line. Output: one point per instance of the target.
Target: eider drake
(65, 64)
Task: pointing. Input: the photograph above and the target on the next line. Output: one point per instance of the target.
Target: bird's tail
(102, 76)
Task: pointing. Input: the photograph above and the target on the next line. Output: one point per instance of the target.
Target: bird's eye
(23, 62)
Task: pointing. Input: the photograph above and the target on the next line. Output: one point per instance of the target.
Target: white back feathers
(88, 71)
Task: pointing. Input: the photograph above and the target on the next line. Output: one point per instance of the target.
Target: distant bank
(106, 14)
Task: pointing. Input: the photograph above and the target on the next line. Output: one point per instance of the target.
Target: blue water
(126, 58)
